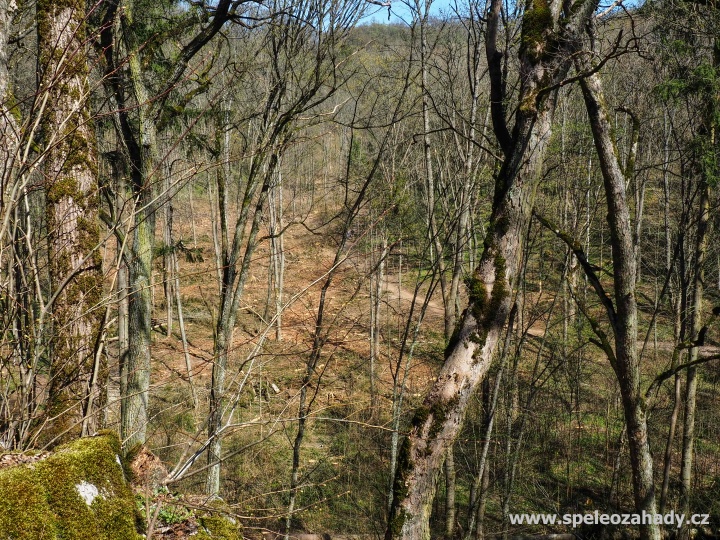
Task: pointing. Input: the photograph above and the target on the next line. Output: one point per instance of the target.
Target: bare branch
(665, 375)
(589, 269)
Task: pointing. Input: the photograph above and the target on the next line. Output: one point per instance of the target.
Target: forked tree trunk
(125, 84)
(437, 422)
(235, 270)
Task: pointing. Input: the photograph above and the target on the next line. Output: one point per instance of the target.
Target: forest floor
(264, 385)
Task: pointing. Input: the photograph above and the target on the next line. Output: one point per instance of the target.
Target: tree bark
(624, 320)
(437, 422)
(71, 209)
(696, 327)
(449, 494)
(125, 83)
(134, 401)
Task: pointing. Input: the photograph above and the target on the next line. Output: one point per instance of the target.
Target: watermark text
(598, 518)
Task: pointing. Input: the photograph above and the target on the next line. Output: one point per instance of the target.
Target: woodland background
(245, 234)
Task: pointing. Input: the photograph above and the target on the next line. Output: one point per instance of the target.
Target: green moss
(536, 25)
(217, 524)
(405, 462)
(439, 412)
(420, 416)
(218, 527)
(483, 308)
(43, 500)
(397, 522)
(24, 509)
(477, 293)
(11, 105)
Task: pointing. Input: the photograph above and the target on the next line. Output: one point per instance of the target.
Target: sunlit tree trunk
(437, 422)
(72, 207)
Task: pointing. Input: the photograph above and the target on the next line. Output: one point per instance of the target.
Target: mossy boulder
(218, 527)
(78, 492)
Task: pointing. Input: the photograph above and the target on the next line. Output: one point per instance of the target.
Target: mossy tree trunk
(135, 369)
(71, 208)
(544, 60)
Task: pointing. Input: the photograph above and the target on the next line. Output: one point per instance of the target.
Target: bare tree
(137, 121)
(623, 316)
(544, 59)
(303, 75)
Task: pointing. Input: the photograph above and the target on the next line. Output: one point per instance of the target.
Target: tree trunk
(124, 84)
(400, 380)
(183, 334)
(433, 235)
(8, 123)
(437, 422)
(235, 270)
(377, 279)
(667, 458)
(277, 252)
(135, 369)
(696, 326)
(476, 509)
(624, 321)
(168, 255)
(72, 208)
(449, 494)
(134, 413)
(708, 170)
(461, 233)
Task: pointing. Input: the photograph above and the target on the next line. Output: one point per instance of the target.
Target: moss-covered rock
(78, 492)
(216, 524)
(218, 527)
